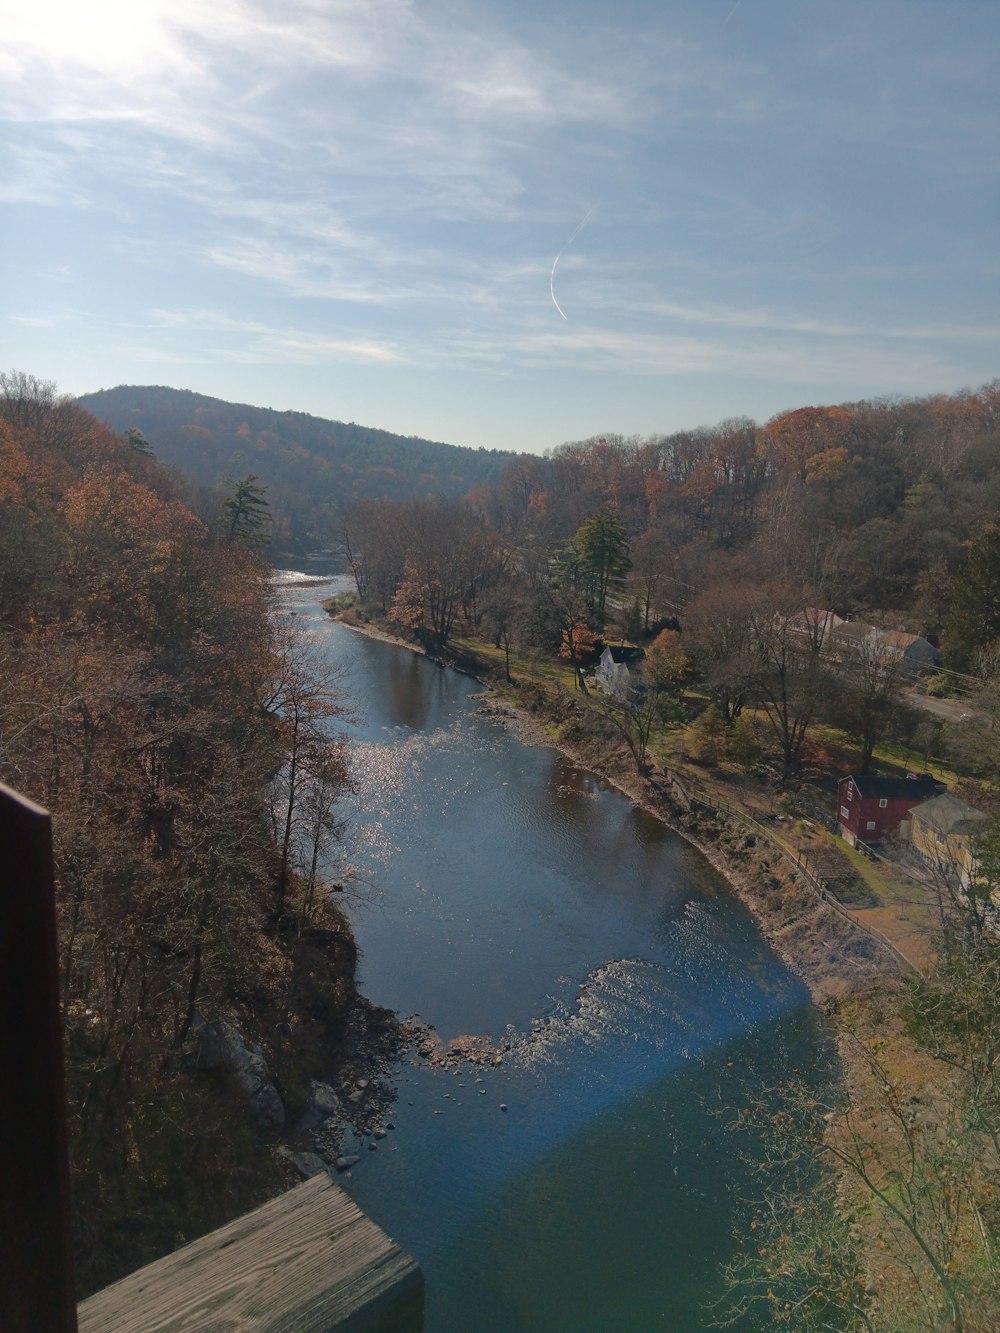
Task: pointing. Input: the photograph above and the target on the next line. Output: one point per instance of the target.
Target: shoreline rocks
(220, 1044)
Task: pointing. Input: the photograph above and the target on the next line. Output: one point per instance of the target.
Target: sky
(503, 223)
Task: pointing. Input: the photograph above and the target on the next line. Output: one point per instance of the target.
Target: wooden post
(36, 1263)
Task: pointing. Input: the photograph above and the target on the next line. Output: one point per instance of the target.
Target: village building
(943, 832)
(870, 808)
(612, 674)
(852, 636)
(917, 653)
(814, 625)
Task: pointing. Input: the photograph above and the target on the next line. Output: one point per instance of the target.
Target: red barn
(874, 808)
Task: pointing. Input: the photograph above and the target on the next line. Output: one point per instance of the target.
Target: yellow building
(942, 830)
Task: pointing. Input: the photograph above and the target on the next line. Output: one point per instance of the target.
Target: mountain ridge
(314, 468)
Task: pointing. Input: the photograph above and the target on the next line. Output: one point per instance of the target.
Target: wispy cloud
(788, 322)
(864, 363)
(252, 342)
(300, 271)
(37, 321)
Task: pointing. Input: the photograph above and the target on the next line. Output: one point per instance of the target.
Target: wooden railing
(309, 1260)
(36, 1265)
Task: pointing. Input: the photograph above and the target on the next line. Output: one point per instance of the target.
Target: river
(591, 1182)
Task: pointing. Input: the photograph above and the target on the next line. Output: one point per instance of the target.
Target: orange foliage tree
(795, 438)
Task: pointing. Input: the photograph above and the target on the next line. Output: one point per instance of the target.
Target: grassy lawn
(522, 667)
(882, 886)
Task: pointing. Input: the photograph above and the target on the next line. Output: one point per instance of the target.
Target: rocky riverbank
(350, 1115)
(350, 1111)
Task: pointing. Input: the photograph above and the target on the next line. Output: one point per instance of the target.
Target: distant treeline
(883, 512)
(867, 509)
(870, 500)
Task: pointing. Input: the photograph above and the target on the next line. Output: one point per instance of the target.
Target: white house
(612, 672)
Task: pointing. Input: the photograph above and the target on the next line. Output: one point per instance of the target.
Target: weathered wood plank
(36, 1265)
(307, 1262)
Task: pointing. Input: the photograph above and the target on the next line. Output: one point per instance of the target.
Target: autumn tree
(372, 538)
(804, 441)
(409, 603)
(635, 718)
(25, 400)
(741, 469)
(577, 647)
(506, 613)
(306, 701)
(792, 678)
(652, 565)
(447, 564)
(867, 692)
(721, 637)
(138, 662)
(933, 588)
(667, 666)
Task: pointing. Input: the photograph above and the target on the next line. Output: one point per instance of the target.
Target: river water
(503, 891)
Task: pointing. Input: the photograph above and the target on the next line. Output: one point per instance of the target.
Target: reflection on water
(409, 704)
(518, 897)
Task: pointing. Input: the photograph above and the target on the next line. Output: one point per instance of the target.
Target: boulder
(323, 1098)
(308, 1164)
(220, 1044)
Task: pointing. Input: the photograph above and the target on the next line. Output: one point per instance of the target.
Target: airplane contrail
(552, 276)
(552, 289)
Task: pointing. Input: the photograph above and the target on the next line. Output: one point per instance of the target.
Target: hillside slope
(314, 469)
(146, 697)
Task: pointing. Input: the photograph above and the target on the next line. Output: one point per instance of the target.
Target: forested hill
(313, 468)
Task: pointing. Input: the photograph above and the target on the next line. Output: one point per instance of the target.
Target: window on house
(850, 793)
(844, 812)
(883, 804)
(870, 825)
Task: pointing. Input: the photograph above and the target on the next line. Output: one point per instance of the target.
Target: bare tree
(868, 699)
(792, 678)
(306, 701)
(720, 627)
(653, 561)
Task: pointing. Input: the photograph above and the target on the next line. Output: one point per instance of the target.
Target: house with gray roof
(943, 831)
(917, 654)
